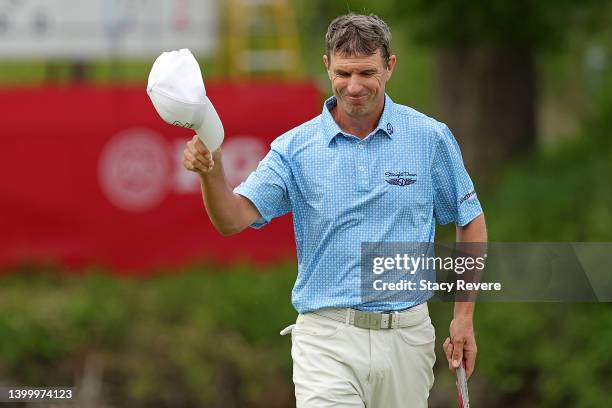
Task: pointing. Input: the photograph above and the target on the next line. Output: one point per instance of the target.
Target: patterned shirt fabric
(391, 186)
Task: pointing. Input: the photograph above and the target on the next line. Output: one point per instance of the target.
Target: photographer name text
(424, 284)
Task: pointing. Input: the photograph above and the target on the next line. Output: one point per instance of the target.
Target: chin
(354, 110)
(357, 110)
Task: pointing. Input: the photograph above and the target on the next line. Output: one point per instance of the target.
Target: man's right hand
(229, 212)
(196, 157)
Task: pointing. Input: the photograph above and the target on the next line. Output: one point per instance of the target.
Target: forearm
(474, 232)
(460, 345)
(463, 310)
(224, 207)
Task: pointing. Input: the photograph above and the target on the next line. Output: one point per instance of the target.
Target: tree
(486, 61)
(486, 67)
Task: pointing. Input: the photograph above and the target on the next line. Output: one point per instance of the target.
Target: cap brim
(211, 132)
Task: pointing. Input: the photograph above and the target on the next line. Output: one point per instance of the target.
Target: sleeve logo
(466, 197)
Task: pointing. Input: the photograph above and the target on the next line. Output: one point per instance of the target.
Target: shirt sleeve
(268, 188)
(455, 199)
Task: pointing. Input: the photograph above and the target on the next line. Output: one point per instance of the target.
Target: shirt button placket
(362, 168)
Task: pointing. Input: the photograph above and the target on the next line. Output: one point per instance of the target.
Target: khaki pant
(339, 365)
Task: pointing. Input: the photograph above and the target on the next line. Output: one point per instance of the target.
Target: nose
(354, 86)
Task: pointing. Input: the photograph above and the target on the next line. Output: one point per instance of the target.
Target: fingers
(196, 156)
(197, 145)
(470, 361)
(460, 346)
(454, 355)
(448, 350)
(457, 355)
(197, 164)
(192, 162)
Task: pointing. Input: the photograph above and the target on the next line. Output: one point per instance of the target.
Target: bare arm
(229, 212)
(461, 345)
(475, 231)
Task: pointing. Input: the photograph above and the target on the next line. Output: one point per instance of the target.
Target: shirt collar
(331, 128)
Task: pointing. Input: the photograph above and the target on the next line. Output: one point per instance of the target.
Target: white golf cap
(177, 91)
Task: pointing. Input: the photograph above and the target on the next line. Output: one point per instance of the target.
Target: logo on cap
(181, 124)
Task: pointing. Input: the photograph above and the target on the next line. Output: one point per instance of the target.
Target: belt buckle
(390, 321)
(367, 320)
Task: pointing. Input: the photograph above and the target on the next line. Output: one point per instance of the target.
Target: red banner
(93, 176)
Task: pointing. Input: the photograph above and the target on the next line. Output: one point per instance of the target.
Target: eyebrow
(368, 71)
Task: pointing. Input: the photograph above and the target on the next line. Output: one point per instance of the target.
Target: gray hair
(358, 34)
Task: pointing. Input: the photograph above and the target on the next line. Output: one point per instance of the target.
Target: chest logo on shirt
(402, 178)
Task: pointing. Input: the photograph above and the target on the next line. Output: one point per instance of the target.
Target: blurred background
(114, 281)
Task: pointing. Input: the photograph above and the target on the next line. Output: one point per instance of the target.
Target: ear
(326, 63)
(391, 65)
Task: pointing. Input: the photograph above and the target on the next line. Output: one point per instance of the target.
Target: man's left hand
(461, 345)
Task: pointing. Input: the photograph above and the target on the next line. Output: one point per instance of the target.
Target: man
(335, 173)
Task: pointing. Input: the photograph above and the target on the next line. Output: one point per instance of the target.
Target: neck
(360, 126)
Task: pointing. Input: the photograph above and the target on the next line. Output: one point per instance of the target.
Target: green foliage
(526, 23)
(192, 339)
(522, 24)
(546, 355)
(559, 195)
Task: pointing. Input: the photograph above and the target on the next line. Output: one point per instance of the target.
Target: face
(358, 82)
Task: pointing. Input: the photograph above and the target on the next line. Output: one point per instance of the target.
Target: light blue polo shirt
(392, 186)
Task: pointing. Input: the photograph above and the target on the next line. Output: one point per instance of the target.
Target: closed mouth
(357, 99)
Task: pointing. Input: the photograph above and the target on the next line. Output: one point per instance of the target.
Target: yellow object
(259, 39)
